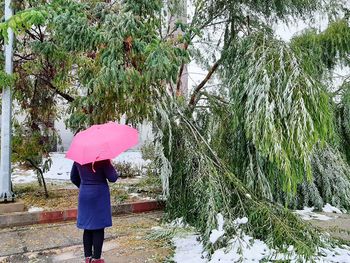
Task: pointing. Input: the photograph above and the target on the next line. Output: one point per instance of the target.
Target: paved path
(125, 242)
(338, 226)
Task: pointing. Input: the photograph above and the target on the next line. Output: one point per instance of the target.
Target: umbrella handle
(93, 169)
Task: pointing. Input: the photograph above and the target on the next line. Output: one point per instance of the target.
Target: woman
(94, 205)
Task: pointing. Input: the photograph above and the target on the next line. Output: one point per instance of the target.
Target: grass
(64, 195)
(59, 196)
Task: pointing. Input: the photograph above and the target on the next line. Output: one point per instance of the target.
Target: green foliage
(328, 48)
(42, 69)
(26, 147)
(256, 10)
(201, 187)
(32, 149)
(6, 80)
(284, 112)
(331, 183)
(127, 66)
(254, 134)
(120, 197)
(148, 151)
(343, 116)
(279, 110)
(127, 170)
(143, 7)
(346, 105)
(71, 25)
(151, 184)
(22, 21)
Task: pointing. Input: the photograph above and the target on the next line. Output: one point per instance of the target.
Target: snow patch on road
(188, 249)
(308, 214)
(35, 209)
(331, 209)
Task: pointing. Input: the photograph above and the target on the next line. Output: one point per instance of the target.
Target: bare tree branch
(33, 36)
(178, 84)
(26, 57)
(202, 84)
(62, 94)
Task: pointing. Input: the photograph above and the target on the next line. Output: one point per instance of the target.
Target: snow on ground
(336, 255)
(179, 222)
(140, 197)
(134, 158)
(188, 249)
(60, 168)
(217, 233)
(331, 209)
(19, 176)
(244, 248)
(308, 214)
(35, 209)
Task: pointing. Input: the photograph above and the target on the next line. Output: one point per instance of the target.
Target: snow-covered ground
(308, 214)
(133, 157)
(35, 209)
(331, 209)
(60, 168)
(244, 248)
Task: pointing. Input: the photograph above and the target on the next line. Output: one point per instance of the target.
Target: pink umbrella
(101, 142)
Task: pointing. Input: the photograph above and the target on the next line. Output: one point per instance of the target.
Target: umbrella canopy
(101, 142)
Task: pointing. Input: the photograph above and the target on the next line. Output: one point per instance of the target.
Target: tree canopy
(254, 139)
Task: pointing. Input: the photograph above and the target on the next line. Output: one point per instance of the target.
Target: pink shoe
(88, 260)
(100, 260)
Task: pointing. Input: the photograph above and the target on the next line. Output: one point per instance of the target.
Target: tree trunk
(181, 15)
(42, 179)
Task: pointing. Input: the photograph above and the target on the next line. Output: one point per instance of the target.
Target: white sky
(285, 32)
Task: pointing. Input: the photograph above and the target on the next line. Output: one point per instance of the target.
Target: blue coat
(94, 204)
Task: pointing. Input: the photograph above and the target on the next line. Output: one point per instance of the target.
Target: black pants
(93, 239)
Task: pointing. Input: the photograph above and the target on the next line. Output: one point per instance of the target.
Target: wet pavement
(338, 226)
(125, 242)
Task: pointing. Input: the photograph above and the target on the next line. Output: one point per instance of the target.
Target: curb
(42, 217)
